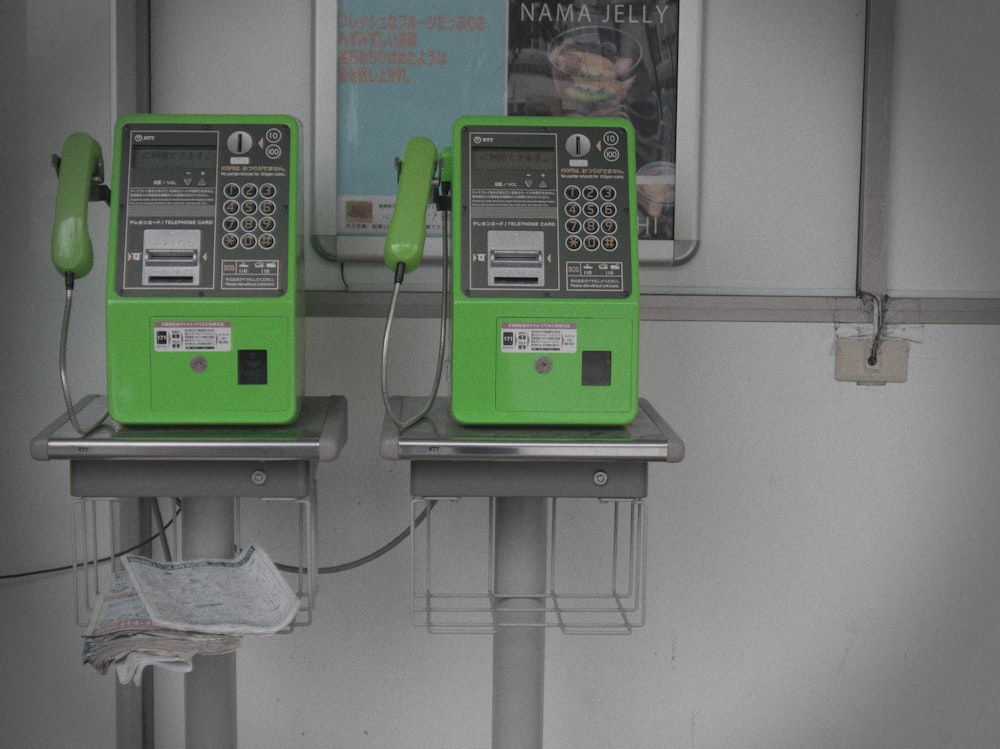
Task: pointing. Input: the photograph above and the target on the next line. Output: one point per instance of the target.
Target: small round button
(543, 365)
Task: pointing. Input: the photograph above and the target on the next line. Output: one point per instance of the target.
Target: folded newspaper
(165, 613)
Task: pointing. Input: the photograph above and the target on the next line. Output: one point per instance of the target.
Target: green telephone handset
(81, 180)
(407, 232)
(81, 167)
(404, 246)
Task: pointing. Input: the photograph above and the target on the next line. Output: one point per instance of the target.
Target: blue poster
(407, 68)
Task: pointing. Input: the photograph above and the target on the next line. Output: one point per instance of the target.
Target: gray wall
(823, 563)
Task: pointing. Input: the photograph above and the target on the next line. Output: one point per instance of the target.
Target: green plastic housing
(220, 339)
(594, 379)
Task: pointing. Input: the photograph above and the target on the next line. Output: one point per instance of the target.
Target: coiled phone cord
(442, 338)
(63, 376)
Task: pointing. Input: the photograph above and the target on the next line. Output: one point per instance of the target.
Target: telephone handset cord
(63, 377)
(442, 338)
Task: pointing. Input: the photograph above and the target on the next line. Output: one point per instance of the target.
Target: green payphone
(545, 284)
(204, 302)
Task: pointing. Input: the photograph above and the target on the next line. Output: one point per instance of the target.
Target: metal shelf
(588, 469)
(267, 462)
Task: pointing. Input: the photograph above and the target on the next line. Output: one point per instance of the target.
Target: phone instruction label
(538, 338)
(175, 335)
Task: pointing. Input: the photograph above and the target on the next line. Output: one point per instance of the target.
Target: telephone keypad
(592, 234)
(205, 208)
(569, 240)
(242, 227)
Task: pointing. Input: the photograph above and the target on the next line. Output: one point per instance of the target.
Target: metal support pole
(210, 687)
(134, 705)
(519, 641)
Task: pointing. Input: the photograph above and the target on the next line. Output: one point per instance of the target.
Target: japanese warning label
(538, 337)
(595, 276)
(173, 335)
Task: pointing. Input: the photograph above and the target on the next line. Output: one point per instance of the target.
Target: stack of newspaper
(165, 613)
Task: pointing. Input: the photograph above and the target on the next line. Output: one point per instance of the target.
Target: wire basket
(595, 573)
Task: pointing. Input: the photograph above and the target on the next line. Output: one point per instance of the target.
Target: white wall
(823, 562)
(54, 63)
(822, 566)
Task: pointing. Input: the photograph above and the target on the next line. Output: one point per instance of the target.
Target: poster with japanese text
(604, 59)
(407, 68)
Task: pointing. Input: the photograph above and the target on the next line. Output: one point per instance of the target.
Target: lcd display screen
(174, 157)
(513, 158)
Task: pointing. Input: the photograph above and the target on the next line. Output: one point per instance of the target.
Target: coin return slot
(177, 280)
(501, 280)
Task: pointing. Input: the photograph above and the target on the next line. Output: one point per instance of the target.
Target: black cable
(331, 570)
(67, 567)
(380, 552)
(162, 530)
